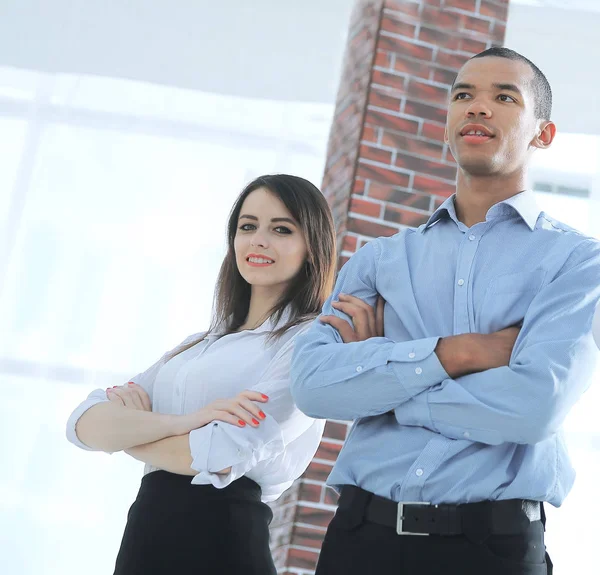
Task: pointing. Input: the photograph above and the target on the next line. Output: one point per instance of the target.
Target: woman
(213, 419)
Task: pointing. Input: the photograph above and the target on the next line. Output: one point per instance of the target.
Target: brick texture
(387, 168)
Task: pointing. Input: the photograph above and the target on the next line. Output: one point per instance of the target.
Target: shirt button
(471, 237)
(461, 282)
(418, 371)
(419, 472)
(359, 368)
(412, 354)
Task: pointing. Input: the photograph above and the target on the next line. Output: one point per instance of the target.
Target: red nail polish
(262, 414)
(255, 421)
(131, 383)
(241, 422)
(264, 396)
(115, 386)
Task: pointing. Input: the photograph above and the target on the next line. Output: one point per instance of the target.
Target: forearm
(171, 454)
(455, 355)
(111, 427)
(347, 381)
(517, 404)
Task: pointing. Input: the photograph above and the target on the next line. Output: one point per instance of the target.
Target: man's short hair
(541, 87)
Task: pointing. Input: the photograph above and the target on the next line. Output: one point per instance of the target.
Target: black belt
(485, 518)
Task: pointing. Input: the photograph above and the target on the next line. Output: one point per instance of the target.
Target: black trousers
(371, 549)
(174, 527)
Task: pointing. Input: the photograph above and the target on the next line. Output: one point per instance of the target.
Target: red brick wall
(387, 169)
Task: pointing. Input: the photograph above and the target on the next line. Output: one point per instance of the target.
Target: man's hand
(474, 352)
(130, 395)
(367, 321)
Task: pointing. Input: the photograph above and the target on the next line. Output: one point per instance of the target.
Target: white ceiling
(585, 5)
(272, 49)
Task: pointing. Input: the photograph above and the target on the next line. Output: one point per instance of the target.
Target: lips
(476, 130)
(258, 260)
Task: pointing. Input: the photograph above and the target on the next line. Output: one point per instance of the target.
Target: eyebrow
(507, 87)
(289, 220)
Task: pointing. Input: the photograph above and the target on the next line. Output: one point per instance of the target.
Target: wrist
(457, 354)
(175, 425)
(182, 424)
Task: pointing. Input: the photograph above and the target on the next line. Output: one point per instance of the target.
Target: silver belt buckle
(400, 517)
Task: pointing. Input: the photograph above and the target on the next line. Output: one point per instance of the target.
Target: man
(488, 313)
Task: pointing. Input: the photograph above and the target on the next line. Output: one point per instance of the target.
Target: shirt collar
(523, 203)
(267, 326)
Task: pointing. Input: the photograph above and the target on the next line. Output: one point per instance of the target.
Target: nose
(259, 239)
(478, 109)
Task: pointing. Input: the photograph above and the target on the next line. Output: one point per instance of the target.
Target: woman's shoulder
(194, 337)
(292, 332)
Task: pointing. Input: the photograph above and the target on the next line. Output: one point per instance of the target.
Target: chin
(478, 166)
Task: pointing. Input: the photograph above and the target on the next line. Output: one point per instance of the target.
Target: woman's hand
(130, 395)
(240, 411)
(367, 321)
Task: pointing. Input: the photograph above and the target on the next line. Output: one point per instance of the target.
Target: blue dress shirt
(419, 435)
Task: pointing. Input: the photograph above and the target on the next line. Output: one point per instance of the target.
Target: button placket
(464, 264)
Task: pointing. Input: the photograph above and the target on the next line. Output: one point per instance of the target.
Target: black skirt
(174, 527)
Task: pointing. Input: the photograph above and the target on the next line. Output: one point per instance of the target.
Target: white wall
(258, 49)
(564, 44)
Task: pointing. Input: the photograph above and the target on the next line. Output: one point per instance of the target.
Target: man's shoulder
(565, 234)
(569, 244)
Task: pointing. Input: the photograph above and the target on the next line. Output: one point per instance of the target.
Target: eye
(462, 96)
(247, 227)
(283, 230)
(502, 97)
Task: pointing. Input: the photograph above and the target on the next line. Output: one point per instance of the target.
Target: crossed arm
(516, 385)
(160, 440)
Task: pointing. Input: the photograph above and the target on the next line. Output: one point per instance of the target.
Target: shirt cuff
(218, 445)
(416, 365)
(205, 458)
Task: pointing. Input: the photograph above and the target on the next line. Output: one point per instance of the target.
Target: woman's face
(270, 248)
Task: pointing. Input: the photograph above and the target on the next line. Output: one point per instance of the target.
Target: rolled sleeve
(219, 445)
(97, 396)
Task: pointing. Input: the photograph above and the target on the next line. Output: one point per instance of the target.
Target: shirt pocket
(507, 299)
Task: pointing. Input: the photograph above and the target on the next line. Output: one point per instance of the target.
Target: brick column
(387, 169)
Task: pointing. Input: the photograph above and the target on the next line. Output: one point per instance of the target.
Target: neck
(262, 302)
(475, 195)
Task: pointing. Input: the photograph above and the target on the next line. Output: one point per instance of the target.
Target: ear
(545, 134)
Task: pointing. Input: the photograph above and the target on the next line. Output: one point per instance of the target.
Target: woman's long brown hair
(308, 291)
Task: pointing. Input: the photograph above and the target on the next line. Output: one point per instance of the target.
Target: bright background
(119, 160)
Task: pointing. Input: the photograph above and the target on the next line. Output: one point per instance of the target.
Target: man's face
(491, 126)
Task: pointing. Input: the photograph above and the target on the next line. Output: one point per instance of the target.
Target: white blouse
(273, 454)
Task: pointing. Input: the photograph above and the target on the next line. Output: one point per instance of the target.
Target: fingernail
(264, 396)
(115, 386)
(261, 414)
(131, 383)
(241, 422)
(108, 389)
(255, 421)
